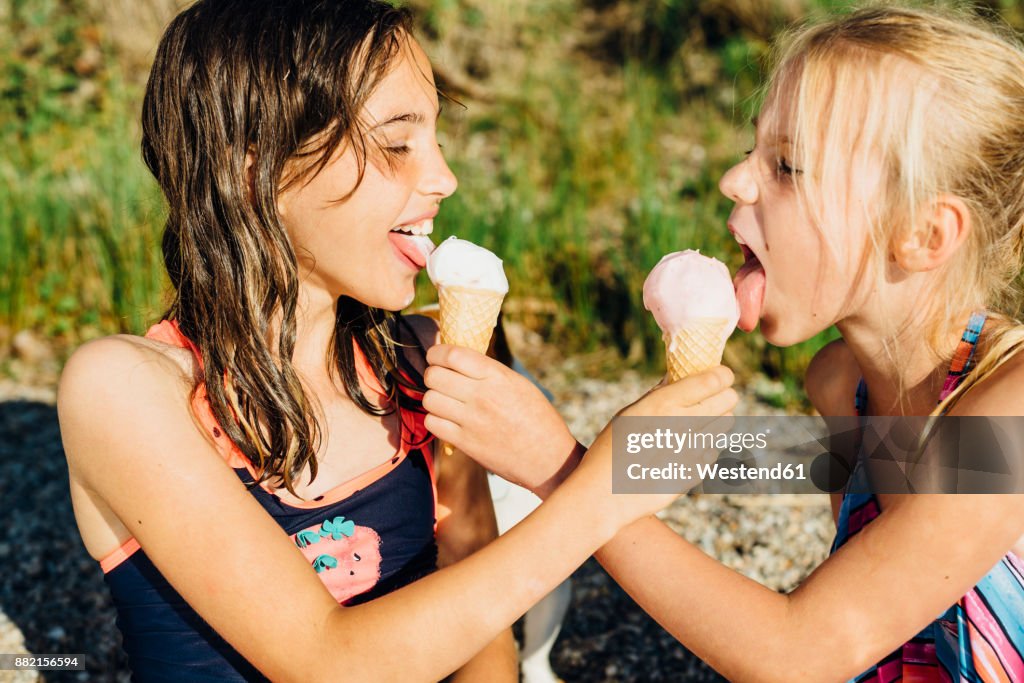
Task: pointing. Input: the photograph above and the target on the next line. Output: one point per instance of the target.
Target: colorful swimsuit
(363, 539)
(981, 637)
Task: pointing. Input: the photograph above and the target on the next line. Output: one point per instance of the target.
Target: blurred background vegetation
(588, 135)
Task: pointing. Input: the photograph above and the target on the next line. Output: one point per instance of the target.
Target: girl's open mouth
(412, 243)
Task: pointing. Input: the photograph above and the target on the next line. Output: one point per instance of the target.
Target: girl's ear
(936, 235)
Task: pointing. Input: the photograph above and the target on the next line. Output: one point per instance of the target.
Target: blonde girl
(885, 195)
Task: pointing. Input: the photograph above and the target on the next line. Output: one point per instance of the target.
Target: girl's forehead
(773, 123)
(407, 88)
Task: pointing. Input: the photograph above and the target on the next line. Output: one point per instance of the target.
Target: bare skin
(462, 489)
(148, 382)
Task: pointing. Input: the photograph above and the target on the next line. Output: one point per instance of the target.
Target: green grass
(79, 215)
(79, 247)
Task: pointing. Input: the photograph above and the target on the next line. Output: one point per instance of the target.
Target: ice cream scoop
(694, 303)
(461, 263)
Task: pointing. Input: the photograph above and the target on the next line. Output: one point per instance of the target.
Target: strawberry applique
(346, 557)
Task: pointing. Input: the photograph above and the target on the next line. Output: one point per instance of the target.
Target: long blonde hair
(940, 93)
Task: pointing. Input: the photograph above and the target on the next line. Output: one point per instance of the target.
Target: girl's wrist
(601, 521)
(572, 460)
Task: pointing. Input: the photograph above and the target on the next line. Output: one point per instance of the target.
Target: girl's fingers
(696, 388)
(443, 406)
(449, 382)
(719, 404)
(462, 360)
(722, 424)
(443, 429)
(704, 394)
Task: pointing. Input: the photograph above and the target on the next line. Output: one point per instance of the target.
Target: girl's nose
(738, 183)
(438, 179)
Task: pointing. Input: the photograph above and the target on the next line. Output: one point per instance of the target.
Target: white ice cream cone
(468, 316)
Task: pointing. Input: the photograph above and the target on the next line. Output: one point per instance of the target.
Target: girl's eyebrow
(781, 139)
(407, 117)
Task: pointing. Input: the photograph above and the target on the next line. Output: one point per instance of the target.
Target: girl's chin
(394, 292)
(394, 300)
(398, 301)
(781, 334)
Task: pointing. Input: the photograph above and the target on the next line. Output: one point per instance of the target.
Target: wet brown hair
(281, 84)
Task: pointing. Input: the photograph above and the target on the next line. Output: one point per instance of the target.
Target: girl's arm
(878, 590)
(884, 585)
(130, 440)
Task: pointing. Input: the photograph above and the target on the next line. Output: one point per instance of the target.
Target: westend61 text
(715, 471)
(667, 439)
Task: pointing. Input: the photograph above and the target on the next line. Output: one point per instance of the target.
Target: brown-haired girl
(254, 474)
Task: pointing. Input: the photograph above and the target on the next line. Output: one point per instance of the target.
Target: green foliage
(597, 165)
(79, 214)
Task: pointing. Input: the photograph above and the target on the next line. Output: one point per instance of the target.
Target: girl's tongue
(414, 247)
(749, 283)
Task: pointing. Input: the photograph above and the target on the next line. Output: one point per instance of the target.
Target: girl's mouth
(411, 243)
(749, 283)
(420, 227)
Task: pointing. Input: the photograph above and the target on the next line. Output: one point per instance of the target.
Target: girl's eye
(748, 152)
(397, 150)
(782, 167)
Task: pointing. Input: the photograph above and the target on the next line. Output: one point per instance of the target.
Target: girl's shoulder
(998, 394)
(129, 367)
(123, 408)
(831, 379)
(109, 357)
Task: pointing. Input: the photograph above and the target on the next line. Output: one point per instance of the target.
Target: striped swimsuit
(981, 637)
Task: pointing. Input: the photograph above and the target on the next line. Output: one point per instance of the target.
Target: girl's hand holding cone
(707, 394)
(471, 286)
(497, 417)
(468, 404)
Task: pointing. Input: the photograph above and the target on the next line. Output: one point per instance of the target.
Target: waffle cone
(468, 316)
(696, 347)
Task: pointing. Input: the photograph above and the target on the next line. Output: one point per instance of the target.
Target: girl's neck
(314, 326)
(903, 372)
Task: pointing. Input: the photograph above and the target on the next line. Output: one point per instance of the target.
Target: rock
(12, 642)
(30, 348)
